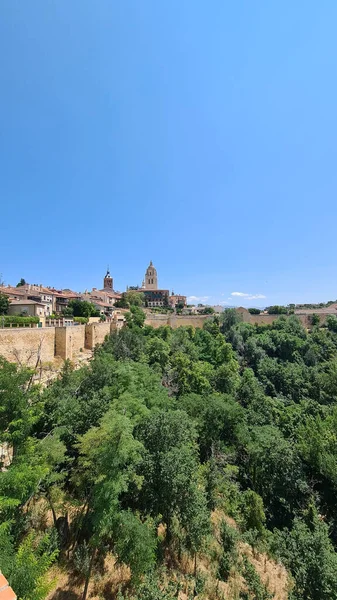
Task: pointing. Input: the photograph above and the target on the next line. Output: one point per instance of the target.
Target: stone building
(27, 308)
(153, 296)
(177, 300)
(156, 297)
(105, 298)
(108, 281)
(35, 293)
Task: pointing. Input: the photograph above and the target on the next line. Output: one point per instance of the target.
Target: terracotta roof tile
(23, 302)
(9, 290)
(111, 294)
(6, 592)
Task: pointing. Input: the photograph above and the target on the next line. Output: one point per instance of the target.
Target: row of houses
(37, 300)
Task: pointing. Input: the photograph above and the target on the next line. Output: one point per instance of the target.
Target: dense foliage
(21, 283)
(81, 308)
(163, 427)
(19, 321)
(81, 320)
(4, 304)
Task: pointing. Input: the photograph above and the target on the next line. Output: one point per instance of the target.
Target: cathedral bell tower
(108, 281)
(151, 279)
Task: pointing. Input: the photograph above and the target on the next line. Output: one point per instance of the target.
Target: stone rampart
(305, 318)
(157, 320)
(95, 333)
(175, 321)
(26, 346)
(69, 341)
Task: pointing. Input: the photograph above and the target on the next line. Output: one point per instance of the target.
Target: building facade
(156, 297)
(177, 300)
(108, 282)
(26, 308)
(151, 279)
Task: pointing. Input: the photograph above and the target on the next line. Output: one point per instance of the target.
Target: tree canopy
(149, 452)
(4, 304)
(82, 308)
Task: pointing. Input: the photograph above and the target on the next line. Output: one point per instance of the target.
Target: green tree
(19, 405)
(253, 511)
(191, 376)
(136, 317)
(134, 298)
(331, 323)
(109, 456)
(218, 420)
(158, 352)
(83, 308)
(307, 552)
(277, 310)
(26, 568)
(170, 472)
(229, 556)
(253, 581)
(122, 302)
(4, 304)
(315, 319)
(208, 310)
(21, 283)
(272, 468)
(229, 318)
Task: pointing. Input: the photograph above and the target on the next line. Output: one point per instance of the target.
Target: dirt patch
(273, 575)
(112, 576)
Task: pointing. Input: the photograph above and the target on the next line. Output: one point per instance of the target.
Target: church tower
(151, 279)
(108, 281)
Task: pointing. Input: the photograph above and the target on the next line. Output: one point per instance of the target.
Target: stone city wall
(174, 321)
(95, 333)
(269, 319)
(24, 346)
(69, 341)
(28, 345)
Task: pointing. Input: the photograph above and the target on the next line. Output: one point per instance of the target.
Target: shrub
(277, 310)
(4, 304)
(81, 559)
(81, 320)
(254, 311)
(82, 308)
(253, 581)
(252, 511)
(229, 538)
(8, 320)
(331, 323)
(315, 319)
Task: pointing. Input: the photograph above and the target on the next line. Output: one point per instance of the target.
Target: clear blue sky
(201, 135)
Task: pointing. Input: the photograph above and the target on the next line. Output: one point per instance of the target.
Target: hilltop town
(48, 303)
